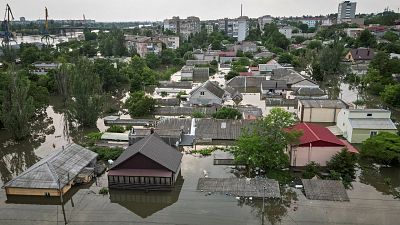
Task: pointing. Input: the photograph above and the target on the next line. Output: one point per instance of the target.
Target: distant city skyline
(158, 10)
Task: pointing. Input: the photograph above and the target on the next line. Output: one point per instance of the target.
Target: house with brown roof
(360, 55)
(149, 164)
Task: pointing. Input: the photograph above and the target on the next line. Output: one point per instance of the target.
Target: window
(369, 114)
(373, 133)
(202, 93)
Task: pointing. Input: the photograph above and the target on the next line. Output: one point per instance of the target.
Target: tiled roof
(315, 133)
(362, 54)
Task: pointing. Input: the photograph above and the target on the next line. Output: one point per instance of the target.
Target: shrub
(227, 113)
(103, 191)
(106, 153)
(343, 165)
(198, 114)
(116, 129)
(312, 170)
(94, 136)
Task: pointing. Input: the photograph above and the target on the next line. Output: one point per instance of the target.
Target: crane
(6, 33)
(46, 37)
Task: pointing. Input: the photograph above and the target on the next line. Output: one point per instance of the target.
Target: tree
(391, 95)
(285, 58)
(231, 74)
(17, 106)
(227, 113)
(263, 144)
(391, 36)
(303, 27)
(85, 98)
(366, 39)
(167, 56)
(331, 68)
(139, 104)
(152, 60)
(383, 148)
(343, 165)
(312, 169)
(111, 78)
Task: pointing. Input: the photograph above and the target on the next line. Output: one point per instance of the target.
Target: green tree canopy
(139, 104)
(17, 106)
(227, 113)
(343, 166)
(85, 96)
(366, 39)
(383, 148)
(264, 143)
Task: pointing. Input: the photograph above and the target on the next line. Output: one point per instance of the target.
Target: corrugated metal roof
(211, 87)
(371, 123)
(331, 190)
(175, 123)
(274, 84)
(115, 136)
(323, 103)
(289, 75)
(220, 129)
(154, 148)
(62, 166)
(314, 133)
(307, 91)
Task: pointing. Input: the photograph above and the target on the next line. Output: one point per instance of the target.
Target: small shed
(149, 164)
(53, 175)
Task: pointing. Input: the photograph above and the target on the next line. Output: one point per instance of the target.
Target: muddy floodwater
(371, 199)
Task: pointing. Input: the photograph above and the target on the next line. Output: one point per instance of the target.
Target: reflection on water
(383, 179)
(145, 204)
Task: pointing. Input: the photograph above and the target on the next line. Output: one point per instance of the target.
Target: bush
(343, 165)
(103, 191)
(116, 129)
(94, 136)
(227, 113)
(198, 114)
(106, 153)
(312, 170)
(231, 75)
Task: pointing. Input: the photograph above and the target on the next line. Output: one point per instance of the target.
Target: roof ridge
(53, 172)
(145, 143)
(309, 128)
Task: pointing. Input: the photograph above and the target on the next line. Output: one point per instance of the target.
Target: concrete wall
(360, 135)
(317, 115)
(301, 156)
(207, 99)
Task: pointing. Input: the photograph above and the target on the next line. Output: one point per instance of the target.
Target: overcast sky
(151, 10)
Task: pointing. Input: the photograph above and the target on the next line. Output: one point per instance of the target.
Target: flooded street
(371, 201)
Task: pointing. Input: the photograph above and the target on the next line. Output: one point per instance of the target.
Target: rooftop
(372, 123)
(154, 148)
(61, 166)
(316, 133)
(330, 190)
(323, 103)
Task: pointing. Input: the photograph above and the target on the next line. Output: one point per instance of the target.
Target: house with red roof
(317, 144)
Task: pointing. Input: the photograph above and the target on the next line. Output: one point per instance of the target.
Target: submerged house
(149, 164)
(54, 175)
(316, 144)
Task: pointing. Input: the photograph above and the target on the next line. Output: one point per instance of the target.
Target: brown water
(371, 201)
